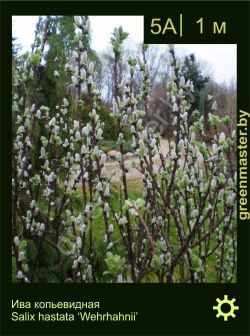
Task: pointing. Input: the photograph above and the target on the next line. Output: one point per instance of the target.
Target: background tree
(59, 36)
(192, 71)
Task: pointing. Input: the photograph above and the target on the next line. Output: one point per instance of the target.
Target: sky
(220, 59)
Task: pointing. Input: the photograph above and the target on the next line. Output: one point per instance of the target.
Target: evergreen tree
(192, 71)
(59, 38)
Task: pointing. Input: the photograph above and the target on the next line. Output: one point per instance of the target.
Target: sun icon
(228, 305)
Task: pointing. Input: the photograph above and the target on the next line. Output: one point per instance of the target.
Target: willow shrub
(71, 223)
